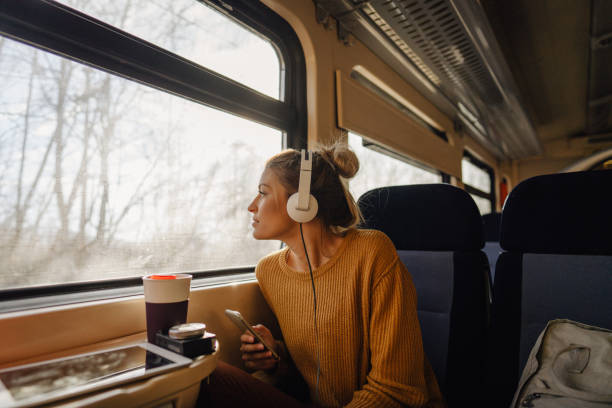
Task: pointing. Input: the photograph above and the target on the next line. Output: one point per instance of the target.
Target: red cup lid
(161, 277)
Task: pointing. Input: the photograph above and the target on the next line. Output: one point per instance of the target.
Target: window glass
(483, 204)
(475, 176)
(378, 170)
(102, 177)
(196, 32)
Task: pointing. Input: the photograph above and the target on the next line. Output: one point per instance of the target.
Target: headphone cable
(314, 295)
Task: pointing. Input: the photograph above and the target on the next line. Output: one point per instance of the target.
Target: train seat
(491, 236)
(437, 231)
(556, 230)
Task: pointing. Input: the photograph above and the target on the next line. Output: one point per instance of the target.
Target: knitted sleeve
(285, 369)
(397, 374)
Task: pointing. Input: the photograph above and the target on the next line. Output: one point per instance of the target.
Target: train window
(197, 32)
(378, 170)
(119, 158)
(104, 177)
(478, 181)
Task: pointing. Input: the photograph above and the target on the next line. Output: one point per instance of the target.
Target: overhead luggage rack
(447, 50)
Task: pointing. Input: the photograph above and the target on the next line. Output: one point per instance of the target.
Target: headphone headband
(305, 177)
(302, 206)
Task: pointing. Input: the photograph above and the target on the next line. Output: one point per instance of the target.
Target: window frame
(378, 148)
(58, 29)
(63, 31)
(400, 157)
(489, 170)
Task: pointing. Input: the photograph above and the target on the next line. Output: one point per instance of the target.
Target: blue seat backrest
(437, 231)
(556, 230)
(491, 223)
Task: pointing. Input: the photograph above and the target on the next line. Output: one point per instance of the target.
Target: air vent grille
(447, 50)
(393, 36)
(431, 35)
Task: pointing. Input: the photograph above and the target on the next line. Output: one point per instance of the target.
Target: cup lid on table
(187, 330)
(162, 288)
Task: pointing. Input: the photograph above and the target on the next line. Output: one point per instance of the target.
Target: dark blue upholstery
(424, 217)
(574, 287)
(556, 229)
(437, 231)
(491, 223)
(432, 277)
(492, 248)
(566, 213)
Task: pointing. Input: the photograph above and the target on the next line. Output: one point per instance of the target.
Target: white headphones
(302, 206)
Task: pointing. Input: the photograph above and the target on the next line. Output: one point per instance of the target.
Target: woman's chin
(258, 235)
(261, 235)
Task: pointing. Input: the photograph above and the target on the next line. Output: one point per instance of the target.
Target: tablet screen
(111, 366)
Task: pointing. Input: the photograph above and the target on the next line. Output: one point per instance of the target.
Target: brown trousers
(229, 386)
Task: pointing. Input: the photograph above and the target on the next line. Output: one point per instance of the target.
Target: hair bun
(344, 160)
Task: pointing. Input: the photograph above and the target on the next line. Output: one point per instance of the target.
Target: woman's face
(269, 208)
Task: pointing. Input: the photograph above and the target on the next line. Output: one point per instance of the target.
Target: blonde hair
(332, 166)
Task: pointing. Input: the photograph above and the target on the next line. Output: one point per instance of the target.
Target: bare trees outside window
(102, 177)
(196, 32)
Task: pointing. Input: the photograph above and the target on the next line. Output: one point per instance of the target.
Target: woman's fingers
(254, 354)
(251, 347)
(257, 356)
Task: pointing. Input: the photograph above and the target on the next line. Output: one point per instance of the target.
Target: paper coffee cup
(166, 301)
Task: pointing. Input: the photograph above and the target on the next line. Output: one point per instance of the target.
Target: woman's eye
(261, 193)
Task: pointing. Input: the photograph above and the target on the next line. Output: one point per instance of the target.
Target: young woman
(363, 346)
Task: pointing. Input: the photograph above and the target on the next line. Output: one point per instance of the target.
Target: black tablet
(47, 381)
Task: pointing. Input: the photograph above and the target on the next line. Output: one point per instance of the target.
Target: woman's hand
(254, 354)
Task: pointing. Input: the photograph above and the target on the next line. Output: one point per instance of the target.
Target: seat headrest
(567, 213)
(491, 226)
(427, 217)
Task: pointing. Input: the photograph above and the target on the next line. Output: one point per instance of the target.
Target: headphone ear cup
(302, 216)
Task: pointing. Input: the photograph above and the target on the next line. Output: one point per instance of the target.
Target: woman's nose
(252, 207)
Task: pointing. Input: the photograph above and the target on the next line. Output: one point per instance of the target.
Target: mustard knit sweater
(369, 338)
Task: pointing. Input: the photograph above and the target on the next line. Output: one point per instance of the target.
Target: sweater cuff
(284, 367)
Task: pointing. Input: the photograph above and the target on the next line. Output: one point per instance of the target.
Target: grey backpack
(569, 366)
